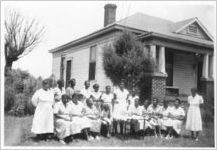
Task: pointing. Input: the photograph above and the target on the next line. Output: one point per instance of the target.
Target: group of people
(66, 113)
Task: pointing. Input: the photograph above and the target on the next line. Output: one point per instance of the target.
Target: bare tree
(21, 37)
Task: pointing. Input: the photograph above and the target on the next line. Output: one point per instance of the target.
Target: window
(192, 29)
(68, 71)
(169, 68)
(92, 63)
(62, 67)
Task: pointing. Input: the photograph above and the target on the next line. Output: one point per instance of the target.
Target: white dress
(86, 94)
(43, 116)
(120, 108)
(146, 118)
(94, 121)
(107, 99)
(131, 99)
(80, 123)
(58, 93)
(96, 96)
(177, 124)
(135, 113)
(165, 121)
(194, 121)
(63, 126)
(154, 120)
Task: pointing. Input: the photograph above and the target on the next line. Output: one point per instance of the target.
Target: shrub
(19, 88)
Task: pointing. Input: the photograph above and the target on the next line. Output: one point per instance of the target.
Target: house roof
(147, 23)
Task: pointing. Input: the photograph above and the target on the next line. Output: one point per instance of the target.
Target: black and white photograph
(108, 74)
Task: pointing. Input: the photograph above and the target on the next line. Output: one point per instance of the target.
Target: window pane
(92, 70)
(93, 53)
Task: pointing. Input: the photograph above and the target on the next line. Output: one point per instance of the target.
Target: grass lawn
(17, 133)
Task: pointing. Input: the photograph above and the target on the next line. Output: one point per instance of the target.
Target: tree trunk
(8, 67)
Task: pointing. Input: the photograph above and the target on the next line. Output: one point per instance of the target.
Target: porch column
(153, 51)
(205, 73)
(161, 64)
(211, 67)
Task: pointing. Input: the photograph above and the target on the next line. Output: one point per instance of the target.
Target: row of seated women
(95, 113)
(74, 117)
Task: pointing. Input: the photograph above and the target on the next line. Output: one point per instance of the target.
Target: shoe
(97, 138)
(62, 142)
(91, 138)
(196, 140)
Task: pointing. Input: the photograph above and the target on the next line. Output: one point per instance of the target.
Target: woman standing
(70, 89)
(120, 107)
(108, 97)
(59, 90)
(96, 94)
(194, 121)
(43, 100)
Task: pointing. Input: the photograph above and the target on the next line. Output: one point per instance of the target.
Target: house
(183, 51)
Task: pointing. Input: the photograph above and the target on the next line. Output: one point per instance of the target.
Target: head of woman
(75, 99)
(193, 91)
(177, 102)
(87, 84)
(165, 103)
(46, 84)
(136, 103)
(65, 99)
(122, 85)
(96, 87)
(108, 89)
(89, 102)
(52, 83)
(146, 103)
(60, 83)
(155, 102)
(72, 83)
(133, 92)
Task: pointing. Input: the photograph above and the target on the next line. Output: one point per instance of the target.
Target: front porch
(180, 67)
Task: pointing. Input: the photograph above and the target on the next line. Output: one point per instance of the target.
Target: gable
(195, 30)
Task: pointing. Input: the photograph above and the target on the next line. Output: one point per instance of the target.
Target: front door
(68, 71)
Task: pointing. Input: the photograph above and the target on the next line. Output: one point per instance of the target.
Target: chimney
(110, 14)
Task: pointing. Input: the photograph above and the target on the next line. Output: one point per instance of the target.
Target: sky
(66, 21)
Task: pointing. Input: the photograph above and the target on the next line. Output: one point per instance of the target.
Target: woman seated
(177, 115)
(80, 122)
(165, 121)
(154, 111)
(93, 117)
(106, 120)
(62, 121)
(135, 113)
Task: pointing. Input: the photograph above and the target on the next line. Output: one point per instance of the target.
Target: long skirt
(120, 112)
(80, 123)
(64, 128)
(43, 120)
(177, 125)
(194, 121)
(95, 125)
(153, 122)
(165, 122)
